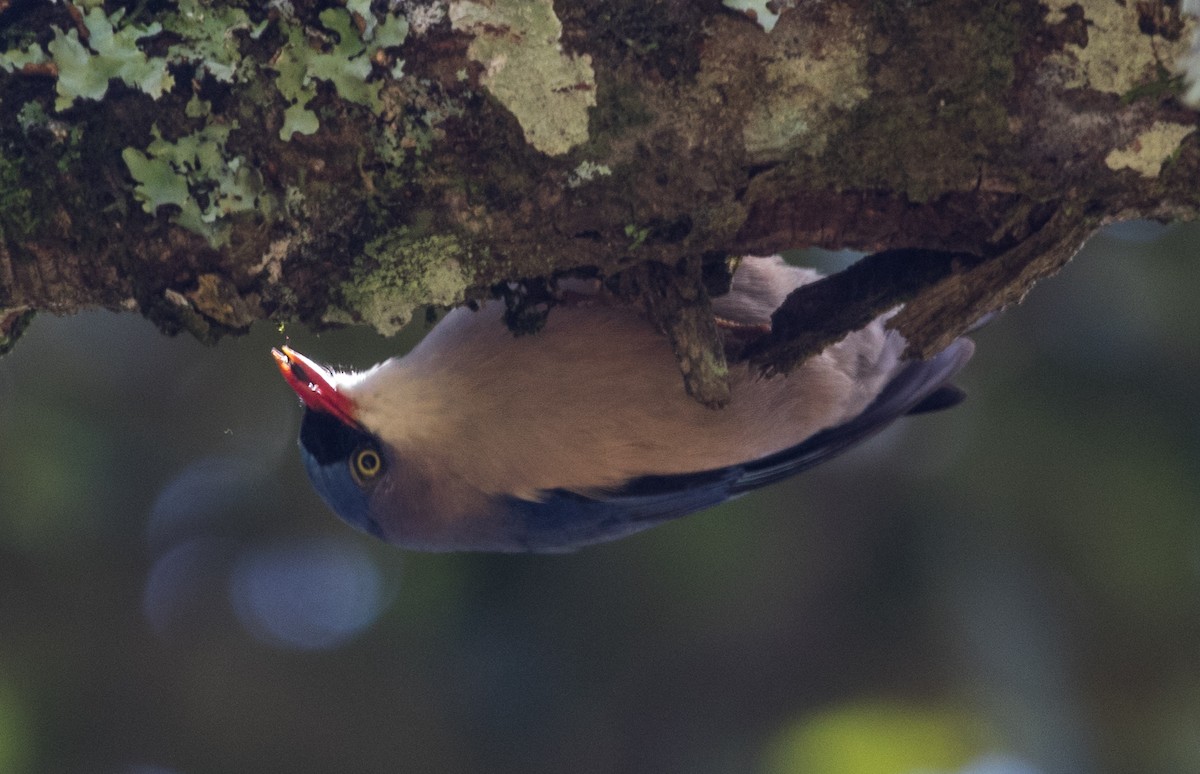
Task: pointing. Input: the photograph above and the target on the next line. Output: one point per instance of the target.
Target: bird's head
(345, 461)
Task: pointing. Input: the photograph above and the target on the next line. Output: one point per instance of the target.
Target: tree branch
(209, 164)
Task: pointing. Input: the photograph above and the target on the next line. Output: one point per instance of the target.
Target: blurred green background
(1011, 587)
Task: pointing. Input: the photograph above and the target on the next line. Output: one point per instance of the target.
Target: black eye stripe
(329, 440)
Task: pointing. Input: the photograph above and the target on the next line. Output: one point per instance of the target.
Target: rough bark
(331, 163)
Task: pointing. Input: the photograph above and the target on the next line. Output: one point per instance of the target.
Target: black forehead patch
(327, 439)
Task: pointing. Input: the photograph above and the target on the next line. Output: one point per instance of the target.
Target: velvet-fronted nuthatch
(581, 433)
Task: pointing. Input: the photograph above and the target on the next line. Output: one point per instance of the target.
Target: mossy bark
(996, 135)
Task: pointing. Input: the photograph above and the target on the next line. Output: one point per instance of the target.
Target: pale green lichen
(196, 174)
(208, 39)
(398, 275)
(197, 108)
(346, 65)
(392, 32)
(586, 172)
(17, 58)
(111, 51)
(31, 115)
(1118, 56)
(1150, 149)
(422, 15)
(808, 89)
(525, 68)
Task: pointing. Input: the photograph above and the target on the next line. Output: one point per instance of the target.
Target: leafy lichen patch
(111, 51)
(346, 65)
(1150, 149)
(399, 274)
(1119, 55)
(196, 174)
(19, 58)
(526, 69)
(207, 38)
(809, 86)
(114, 48)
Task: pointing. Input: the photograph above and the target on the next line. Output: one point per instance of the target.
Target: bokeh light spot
(308, 595)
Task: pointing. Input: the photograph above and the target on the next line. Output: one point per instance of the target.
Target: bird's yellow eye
(366, 464)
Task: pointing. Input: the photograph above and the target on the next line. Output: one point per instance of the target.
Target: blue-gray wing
(565, 520)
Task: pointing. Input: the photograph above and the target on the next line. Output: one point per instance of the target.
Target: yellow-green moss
(808, 89)
(399, 274)
(928, 140)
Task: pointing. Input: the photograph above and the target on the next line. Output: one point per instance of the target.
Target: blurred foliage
(1009, 587)
(877, 738)
(14, 732)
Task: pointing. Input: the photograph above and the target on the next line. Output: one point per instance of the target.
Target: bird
(480, 440)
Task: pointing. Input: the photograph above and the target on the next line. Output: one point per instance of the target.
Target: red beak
(311, 383)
